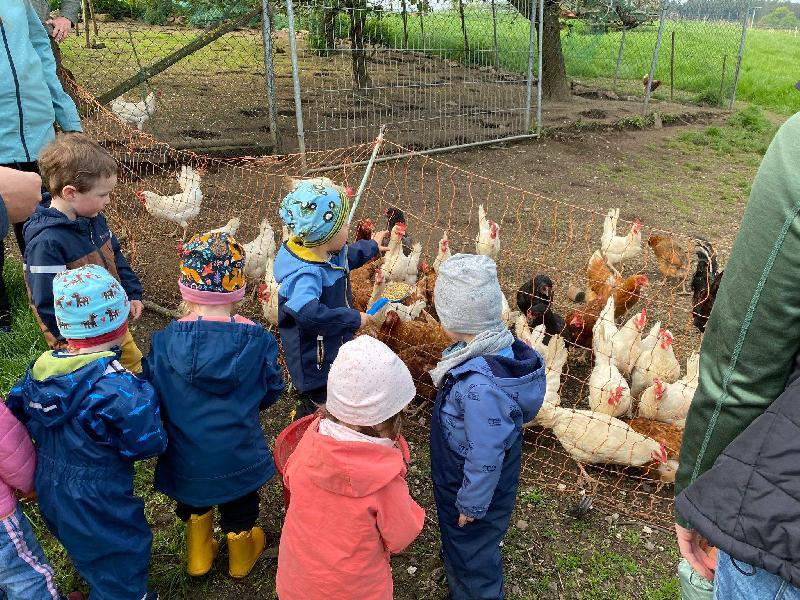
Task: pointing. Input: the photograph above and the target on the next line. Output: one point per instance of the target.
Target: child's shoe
(201, 547)
(244, 548)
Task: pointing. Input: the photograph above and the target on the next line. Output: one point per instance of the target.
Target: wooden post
(672, 67)
(85, 11)
(464, 30)
(91, 15)
(619, 56)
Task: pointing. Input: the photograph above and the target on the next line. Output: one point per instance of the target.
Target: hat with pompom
(212, 269)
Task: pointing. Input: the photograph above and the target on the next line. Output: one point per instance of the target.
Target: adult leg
(735, 580)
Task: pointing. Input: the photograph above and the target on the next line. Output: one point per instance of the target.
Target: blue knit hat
(89, 302)
(315, 210)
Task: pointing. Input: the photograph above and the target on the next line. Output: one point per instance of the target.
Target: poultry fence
(623, 464)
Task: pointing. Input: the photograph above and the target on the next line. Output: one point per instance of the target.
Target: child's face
(339, 240)
(92, 202)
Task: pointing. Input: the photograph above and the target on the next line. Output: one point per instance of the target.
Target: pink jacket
(17, 460)
(350, 507)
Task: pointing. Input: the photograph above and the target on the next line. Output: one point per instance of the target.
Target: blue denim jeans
(735, 580)
(25, 573)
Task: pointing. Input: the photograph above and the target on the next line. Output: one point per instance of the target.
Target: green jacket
(753, 334)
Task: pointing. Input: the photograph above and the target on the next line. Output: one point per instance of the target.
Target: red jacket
(350, 508)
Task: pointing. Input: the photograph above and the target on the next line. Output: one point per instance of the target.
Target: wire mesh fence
(537, 235)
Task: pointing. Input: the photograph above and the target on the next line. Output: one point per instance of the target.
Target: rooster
(488, 240)
(443, 253)
(260, 252)
(617, 249)
(535, 301)
(135, 114)
(705, 284)
(673, 259)
(653, 86)
(658, 361)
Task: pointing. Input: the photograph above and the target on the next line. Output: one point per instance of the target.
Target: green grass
(25, 342)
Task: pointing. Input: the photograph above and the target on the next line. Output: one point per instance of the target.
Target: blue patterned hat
(315, 210)
(88, 302)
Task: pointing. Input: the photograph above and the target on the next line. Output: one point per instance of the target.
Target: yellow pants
(131, 355)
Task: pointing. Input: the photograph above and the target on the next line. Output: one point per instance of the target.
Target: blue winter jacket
(31, 96)
(213, 378)
(314, 314)
(53, 244)
(483, 404)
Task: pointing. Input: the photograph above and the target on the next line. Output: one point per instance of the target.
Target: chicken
(535, 301)
(625, 342)
(658, 361)
(259, 252)
(179, 208)
(531, 337)
(705, 284)
(555, 358)
(189, 177)
(670, 435)
(670, 402)
(444, 252)
(609, 393)
(488, 240)
(506, 314)
(600, 279)
(596, 438)
(617, 249)
(135, 114)
(580, 323)
(231, 227)
(268, 295)
(405, 312)
(396, 265)
(673, 259)
(364, 229)
(393, 217)
(362, 281)
(654, 85)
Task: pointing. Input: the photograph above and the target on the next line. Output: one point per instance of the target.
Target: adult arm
(20, 192)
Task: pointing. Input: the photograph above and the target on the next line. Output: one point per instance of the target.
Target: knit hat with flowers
(212, 269)
(91, 308)
(368, 383)
(315, 210)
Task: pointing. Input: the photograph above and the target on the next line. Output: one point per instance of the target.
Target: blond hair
(390, 428)
(73, 159)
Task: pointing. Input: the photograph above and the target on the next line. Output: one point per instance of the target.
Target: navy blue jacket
(53, 244)
(213, 378)
(314, 314)
(484, 403)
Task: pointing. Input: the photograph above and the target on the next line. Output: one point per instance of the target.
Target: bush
(157, 12)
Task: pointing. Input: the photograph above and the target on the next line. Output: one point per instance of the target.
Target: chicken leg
(590, 481)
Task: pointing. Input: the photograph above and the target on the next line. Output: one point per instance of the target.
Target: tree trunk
(405, 24)
(554, 83)
(464, 30)
(358, 18)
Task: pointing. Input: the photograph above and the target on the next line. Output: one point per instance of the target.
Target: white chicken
(396, 265)
(443, 253)
(595, 438)
(179, 208)
(406, 313)
(231, 227)
(508, 316)
(532, 337)
(268, 293)
(488, 240)
(555, 357)
(260, 252)
(670, 402)
(135, 114)
(615, 248)
(658, 361)
(189, 177)
(609, 393)
(625, 342)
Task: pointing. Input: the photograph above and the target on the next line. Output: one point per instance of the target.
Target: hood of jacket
(293, 258)
(57, 383)
(354, 469)
(45, 217)
(214, 356)
(522, 376)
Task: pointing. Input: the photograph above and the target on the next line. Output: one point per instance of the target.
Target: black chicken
(534, 300)
(705, 284)
(393, 217)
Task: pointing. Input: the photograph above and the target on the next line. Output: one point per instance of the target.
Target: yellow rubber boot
(201, 547)
(244, 548)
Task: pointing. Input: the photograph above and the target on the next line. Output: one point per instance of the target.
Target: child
(489, 385)
(24, 571)
(214, 371)
(350, 504)
(313, 269)
(73, 232)
(91, 419)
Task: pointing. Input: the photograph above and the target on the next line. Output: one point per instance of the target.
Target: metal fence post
(529, 88)
(539, 71)
(654, 60)
(741, 54)
(269, 72)
(298, 105)
(494, 37)
(619, 56)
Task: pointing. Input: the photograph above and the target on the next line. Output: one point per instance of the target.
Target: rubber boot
(244, 548)
(201, 546)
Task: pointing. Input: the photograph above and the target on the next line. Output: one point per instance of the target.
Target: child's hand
(366, 321)
(136, 309)
(464, 519)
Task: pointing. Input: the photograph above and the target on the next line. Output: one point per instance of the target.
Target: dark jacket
(213, 378)
(482, 406)
(53, 244)
(90, 420)
(314, 314)
(3, 219)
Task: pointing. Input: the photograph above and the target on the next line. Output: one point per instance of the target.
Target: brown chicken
(671, 435)
(580, 323)
(673, 259)
(600, 279)
(364, 229)
(362, 280)
(419, 344)
(654, 85)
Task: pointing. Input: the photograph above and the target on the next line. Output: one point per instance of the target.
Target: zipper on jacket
(320, 352)
(90, 223)
(19, 96)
